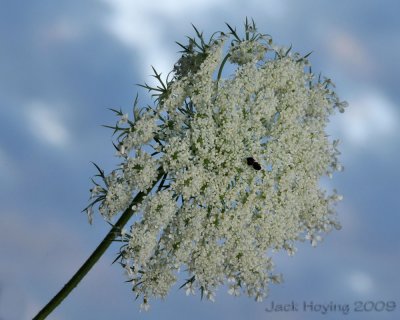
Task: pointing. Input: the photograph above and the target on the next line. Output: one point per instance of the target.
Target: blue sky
(62, 64)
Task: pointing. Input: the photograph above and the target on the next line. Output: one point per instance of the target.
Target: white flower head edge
(229, 159)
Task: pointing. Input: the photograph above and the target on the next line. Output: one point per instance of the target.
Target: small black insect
(256, 166)
(254, 163)
(250, 161)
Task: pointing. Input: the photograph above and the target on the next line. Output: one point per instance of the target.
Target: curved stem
(222, 66)
(94, 257)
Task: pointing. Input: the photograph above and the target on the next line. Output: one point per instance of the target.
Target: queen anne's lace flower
(215, 212)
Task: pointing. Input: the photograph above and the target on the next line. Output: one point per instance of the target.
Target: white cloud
(137, 24)
(350, 52)
(133, 22)
(360, 282)
(46, 124)
(370, 122)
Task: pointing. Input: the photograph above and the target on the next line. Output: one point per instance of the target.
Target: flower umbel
(240, 158)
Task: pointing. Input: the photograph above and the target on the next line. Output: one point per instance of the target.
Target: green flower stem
(95, 256)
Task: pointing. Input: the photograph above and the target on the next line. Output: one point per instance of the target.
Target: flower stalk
(94, 257)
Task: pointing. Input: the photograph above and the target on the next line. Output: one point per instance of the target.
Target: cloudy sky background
(62, 64)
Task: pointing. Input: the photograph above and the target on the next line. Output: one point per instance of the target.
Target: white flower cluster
(140, 172)
(247, 52)
(241, 158)
(141, 133)
(137, 173)
(117, 197)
